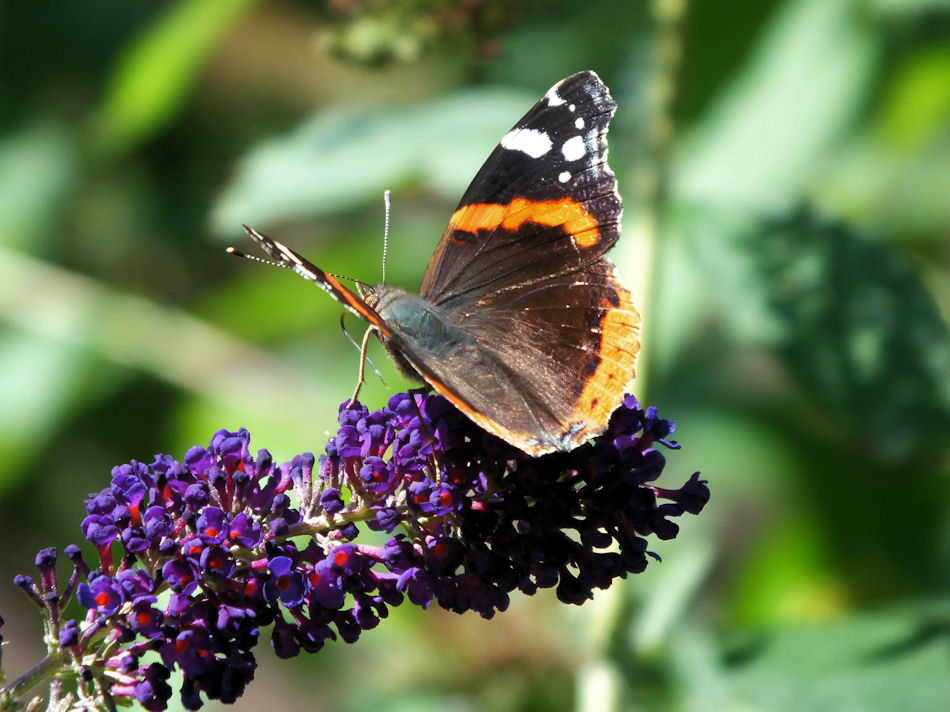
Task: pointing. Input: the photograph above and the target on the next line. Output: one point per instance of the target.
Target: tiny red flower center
(102, 599)
(283, 582)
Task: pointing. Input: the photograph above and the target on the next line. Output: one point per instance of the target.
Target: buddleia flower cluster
(196, 559)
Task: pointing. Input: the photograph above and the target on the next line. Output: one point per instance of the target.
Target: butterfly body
(418, 324)
(521, 321)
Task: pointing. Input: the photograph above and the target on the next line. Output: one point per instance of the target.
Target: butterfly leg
(362, 377)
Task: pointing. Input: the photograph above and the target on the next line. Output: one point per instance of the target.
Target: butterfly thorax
(417, 322)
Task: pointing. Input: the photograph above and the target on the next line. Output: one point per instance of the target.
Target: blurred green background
(785, 166)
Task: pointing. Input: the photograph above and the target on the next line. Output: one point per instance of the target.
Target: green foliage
(151, 80)
(796, 323)
(859, 330)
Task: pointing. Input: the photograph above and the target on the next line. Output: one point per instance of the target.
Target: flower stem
(45, 669)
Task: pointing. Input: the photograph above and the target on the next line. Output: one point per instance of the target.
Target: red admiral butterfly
(521, 320)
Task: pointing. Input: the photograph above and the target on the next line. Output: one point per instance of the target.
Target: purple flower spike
(198, 556)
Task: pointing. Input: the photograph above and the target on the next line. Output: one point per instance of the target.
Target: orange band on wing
(577, 222)
(619, 345)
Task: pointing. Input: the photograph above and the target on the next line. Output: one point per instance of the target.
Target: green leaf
(338, 160)
(887, 660)
(917, 104)
(858, 329)
(158, 70)
(803, 84)
(42, 382)
(908, 9)
(37, 168)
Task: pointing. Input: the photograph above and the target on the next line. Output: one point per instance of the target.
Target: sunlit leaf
(156, 73)
(806, 78)
(37, 168)
(41, 384)
(917, 104)
(887, 660)
(338, 160)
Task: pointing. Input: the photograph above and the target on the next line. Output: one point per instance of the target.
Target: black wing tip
(590, 84)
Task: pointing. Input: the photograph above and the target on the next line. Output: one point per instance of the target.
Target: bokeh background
(785, 166)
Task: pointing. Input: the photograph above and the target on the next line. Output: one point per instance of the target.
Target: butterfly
(522, 322)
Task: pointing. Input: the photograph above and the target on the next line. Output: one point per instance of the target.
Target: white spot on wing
(573, 149)
(286, 252)
(564, 176)
(553, 97)
(571, 108)
(579, 122)
(531, 141)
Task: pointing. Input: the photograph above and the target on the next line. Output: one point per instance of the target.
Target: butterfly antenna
(238, 253)
(359, 348)
(387, 203)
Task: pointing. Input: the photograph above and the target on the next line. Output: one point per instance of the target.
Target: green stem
(45, 669)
